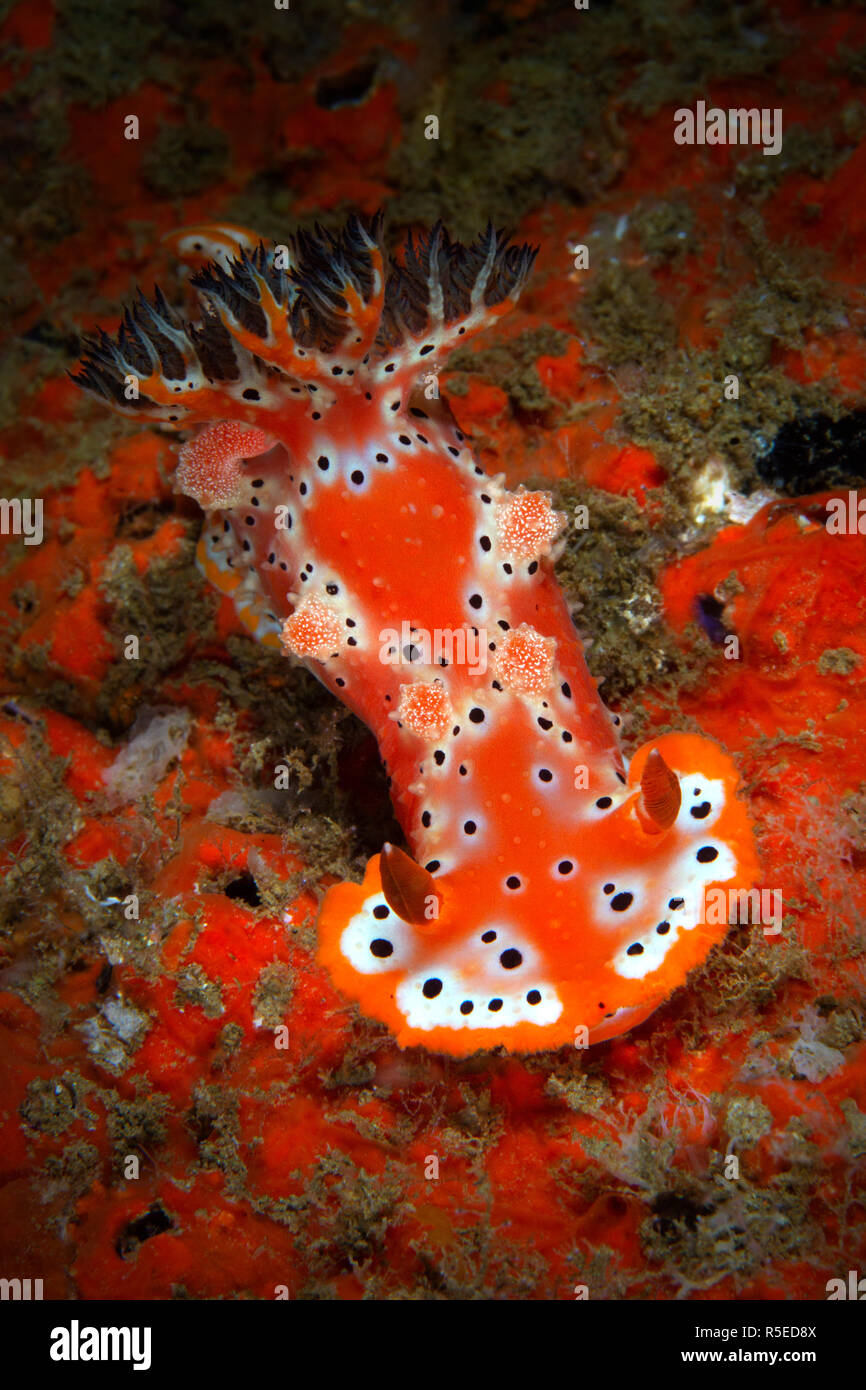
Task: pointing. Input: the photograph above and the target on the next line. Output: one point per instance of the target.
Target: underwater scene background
(190, 1107)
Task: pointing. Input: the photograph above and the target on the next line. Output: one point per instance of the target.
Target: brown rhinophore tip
(660, 795)
(407, 887)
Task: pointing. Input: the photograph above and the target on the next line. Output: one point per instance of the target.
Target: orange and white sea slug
(551, 892)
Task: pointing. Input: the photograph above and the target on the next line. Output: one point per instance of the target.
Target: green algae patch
(511, 365)
(185, 159)
(838, 661)
(608, 572)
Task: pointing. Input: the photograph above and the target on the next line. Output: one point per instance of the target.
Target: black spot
(566, 690)
(512, 882)
(347, 88)
(815, 454)
(404, 439)
(603, 803)
(700, 812)
(708, 611)
(475, 600)
(467, 1006)
(545, 774)
(426, 819)
(510, 959)
(504, 625)
(707, 854)
(566, 736)
(621, 777)
(533, 997)
(357, 477)
(476, 715)
(250, 394)
(675, 1213)
(324, 463)
(152, 1223)
(488, 936)
(250, 520)
(463, 769)
(565, 866)
(676, 903)
(530, 569)
(663, 928)
(544, 723)
(508, 569)
(622, 901)
(431, 988)
(485, 542)
(381, 458)
(470, 827)
(635, 949)
(381, 911)
(432, 866)
(608, 888)
(340, 681)
(244, 889)
(381, 948)
(495, 1005)
(438, 757)
(332, 588)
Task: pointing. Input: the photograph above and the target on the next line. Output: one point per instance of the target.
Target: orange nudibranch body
(553, 893)
(201, 242)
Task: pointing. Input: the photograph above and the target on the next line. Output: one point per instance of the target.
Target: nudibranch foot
(598, 941)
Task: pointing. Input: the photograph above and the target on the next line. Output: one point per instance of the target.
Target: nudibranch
(551, 893)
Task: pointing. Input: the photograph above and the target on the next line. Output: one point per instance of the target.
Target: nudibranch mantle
(552, 893)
